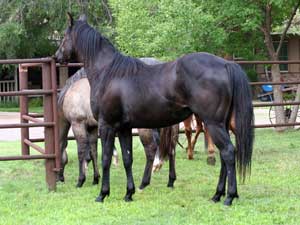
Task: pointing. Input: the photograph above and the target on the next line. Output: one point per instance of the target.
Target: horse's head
(66, 49)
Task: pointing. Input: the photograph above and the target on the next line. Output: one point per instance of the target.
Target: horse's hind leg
(222, 182)
(150, 154)
(211, 160)
(172, 171)
(64, 127)
(150, 147)
(188, 134)
(222, 140)
(80, 133)
(93, 143)
(199, 129)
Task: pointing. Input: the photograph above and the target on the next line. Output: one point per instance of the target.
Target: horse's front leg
(125, 137)
(107, 134)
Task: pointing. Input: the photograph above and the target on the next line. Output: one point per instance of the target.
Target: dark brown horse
(126, 93)
(74, 110)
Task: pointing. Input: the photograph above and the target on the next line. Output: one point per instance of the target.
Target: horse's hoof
(80, 183)
(60, 179)
(143, 185)
(228, 201)
(96, 180)
(211, 161)
(157, 167)
(128, 198)
(216, 198)
(99, 199)
(171, 183)
(190, 157)
(102, 196)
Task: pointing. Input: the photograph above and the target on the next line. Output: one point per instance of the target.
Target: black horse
(126, 93)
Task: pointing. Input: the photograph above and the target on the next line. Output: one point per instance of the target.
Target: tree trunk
(295, 108)
(266, 28)
(278, 97)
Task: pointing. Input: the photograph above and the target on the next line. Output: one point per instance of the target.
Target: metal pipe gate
(50, 152)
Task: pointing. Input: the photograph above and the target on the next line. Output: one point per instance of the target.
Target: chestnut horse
(126, 93)
(200, 127)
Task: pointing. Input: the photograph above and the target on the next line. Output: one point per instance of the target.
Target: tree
(33, 28)
(165, 29)
(259, 17)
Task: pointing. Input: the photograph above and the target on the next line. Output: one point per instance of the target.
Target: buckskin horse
(126, 93)
(74, 110)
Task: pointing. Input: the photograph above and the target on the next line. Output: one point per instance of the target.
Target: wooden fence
(6, 86)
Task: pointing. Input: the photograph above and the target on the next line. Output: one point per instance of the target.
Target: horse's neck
(100, 61)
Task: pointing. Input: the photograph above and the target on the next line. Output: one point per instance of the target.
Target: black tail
(168, 140)
(244, 117)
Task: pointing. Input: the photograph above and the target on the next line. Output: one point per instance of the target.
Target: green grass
(35, 106)
(32, 109)
(270, 196)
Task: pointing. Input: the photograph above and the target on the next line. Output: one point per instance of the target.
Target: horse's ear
(70, 19)
(83, 18)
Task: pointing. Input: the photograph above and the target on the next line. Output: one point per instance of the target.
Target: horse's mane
(88, 41)
(80, 74)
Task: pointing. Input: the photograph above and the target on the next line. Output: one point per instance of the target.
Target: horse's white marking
(115, 158)
(84, 166)
(157, 164)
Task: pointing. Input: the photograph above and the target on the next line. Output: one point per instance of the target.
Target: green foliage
(8, 32)
(6, 105)
(33, 28)
(252, 74)
(167, 29)
(164, 29)
(35, 102)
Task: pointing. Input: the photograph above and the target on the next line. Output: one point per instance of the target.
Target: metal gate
(50, 152)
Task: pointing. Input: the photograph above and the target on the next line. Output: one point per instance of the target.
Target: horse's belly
(155, 118)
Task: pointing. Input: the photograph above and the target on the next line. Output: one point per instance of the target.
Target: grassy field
(270, 196)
